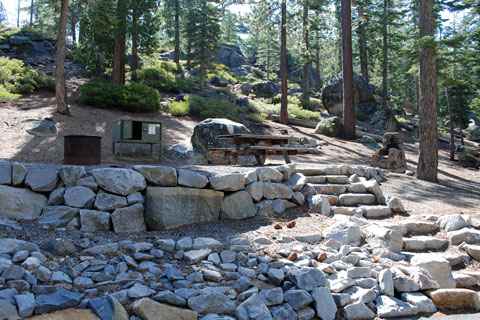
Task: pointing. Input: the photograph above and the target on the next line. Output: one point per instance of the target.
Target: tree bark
(362, 39)
(119, 49)
(60, 83)
(384, 55)
(202, 68)
(452, 133)
(176, 52)
(134, 52)
(31, 13)
(306, 55)
(283, 65)
(338, 15)
(347, 73)
(317, 71)
(428, 158)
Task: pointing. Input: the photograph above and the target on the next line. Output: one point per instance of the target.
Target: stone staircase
(350, 190)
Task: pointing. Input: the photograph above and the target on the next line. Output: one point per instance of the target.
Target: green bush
(220, 70)
(294, 110)
(312, 104)
(170, 66)
(161, 79)
(179, 108)
(203, 108)
(132, 97)
(17, 79)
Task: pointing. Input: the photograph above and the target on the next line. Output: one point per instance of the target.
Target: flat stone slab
(351, 199)
(468, 235)
(167, 208)
(389, 307)
(422, 243)
(455, 298)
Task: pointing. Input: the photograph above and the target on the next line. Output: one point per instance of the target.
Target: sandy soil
(457, 192)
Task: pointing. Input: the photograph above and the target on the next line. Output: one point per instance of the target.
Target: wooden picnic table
(260, 146)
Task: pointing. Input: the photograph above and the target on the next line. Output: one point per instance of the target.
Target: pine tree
(60, 83)
(428, 158)
(347, 73)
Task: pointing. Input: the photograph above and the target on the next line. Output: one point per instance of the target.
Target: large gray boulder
(94, 220)
(332, 96)
(41, 180)
(238, 205)
(228, 182)
(10, 245)
(58, 300)
(129, 219)
(119, 181)
(265, 89)
(184, 153)
(230, 56)
(79, 197)
(18, 173)
(71, 174)
(206, 135)
(109, 202)
(20, 203)
(158, 175)
(57, 216)
(331, 127)
(167, 208)
(42, 128)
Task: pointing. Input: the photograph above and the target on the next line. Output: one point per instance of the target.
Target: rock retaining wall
(160, 198)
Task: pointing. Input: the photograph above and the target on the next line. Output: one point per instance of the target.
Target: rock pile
(357, 268)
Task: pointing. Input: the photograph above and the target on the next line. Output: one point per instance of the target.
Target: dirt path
(457, 192)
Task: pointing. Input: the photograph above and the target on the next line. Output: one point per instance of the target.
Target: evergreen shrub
(17, 79)
(133, 97)
(203, 108)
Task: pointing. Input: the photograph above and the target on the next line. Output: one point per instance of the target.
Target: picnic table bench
(260, 146)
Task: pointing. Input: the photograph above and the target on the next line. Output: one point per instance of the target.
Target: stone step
(334, 189)
(333, 179)
(420, 227)
(352, 199)
(340, 170)
(369, 211)
(424, 243)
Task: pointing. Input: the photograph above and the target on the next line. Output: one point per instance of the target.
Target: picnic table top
(256, 136)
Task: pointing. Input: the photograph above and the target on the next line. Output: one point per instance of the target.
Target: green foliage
(130, 97)
(294, 109)
(162, 77)
(311, 104)
(170, 66)
(203, 108)
(17, 79)
(220, 70)
(179, 108)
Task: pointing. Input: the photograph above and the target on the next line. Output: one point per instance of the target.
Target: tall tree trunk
(202, 68)
(452, 134)
(428, 158)
(306, 55)
(99, 71)
(268, 61)
(460, 127)
(385, 55)
(60, 83)
(31, 13)
(18, 14)
(176, 53)
(120, 38)
(189, 54)
(134, 32)
(283, 65)
(317, 70)
(347, 73)
(362, 40)
(134, 65)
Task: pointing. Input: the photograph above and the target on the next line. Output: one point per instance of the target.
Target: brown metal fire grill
(82, 149)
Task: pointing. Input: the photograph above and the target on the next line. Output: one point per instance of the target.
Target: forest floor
(457, 192)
